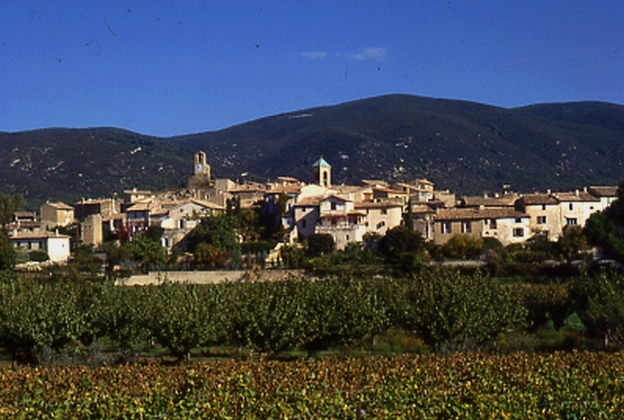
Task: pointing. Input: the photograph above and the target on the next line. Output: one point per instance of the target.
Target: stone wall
(209, 277)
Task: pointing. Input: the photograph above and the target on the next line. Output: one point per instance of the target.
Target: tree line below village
(436, 310)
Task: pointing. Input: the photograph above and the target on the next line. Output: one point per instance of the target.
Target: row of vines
(42, 318)
(464, 385)
(45, 318)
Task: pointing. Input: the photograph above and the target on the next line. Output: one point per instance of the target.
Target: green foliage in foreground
(447, 310)
(55, 317)
(474, 385)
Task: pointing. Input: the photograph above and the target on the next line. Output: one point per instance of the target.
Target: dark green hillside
(467, 147)
(68, 164)
(464, 146)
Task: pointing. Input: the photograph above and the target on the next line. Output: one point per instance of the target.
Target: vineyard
(43, 319)
(472, 386)
(87, 348)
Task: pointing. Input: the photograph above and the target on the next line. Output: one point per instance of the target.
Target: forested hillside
(467, 147)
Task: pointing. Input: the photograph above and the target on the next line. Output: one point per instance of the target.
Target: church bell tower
(201, 168)
(322, 172)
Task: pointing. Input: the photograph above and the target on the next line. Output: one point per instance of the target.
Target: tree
(9, 205)
(210, 255)
(454, 312)
(220, 232)
(403, 246)
(319, 244)
(147, 249)
(600, 305)
(606, 228)
(572, 242)
(463, 247)
(409, 216)
(292, 256)
(7, 253)
(84, 260)
(602, 230)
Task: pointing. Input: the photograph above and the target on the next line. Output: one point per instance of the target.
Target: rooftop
(321, 163)
(478, 214)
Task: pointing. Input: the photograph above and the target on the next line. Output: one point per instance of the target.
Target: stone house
(338, 218)
(188, 214)
(419, 190)
(606, 195)
(130, 197)
(550, 213)
(306, 212)
(380, 216)
(576, 207)
(56, 214)
(103, 206)
(543, 212)
(423, 216)
(507, 225)
(390, 194)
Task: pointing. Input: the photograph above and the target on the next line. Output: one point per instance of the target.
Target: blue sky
(175, 67)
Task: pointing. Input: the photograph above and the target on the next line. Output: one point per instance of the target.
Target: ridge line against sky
(163, 68)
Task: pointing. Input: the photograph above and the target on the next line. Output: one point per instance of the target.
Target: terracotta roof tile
(603, 191)
(478, 214)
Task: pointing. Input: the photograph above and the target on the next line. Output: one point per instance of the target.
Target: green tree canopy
(319, 244)
(7, 253)
(606, 228)
(218, 231)
(403, 246)
(9, 205)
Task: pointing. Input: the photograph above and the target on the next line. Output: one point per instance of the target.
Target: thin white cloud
(363, 54)
(374, 54)
(314, 55)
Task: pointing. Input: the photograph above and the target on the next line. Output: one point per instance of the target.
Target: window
(541, 220)
(493, 224)
(347, 237)
(571, 221)
(333, 206)
(518, 220)
(571, 206)
(381, 224)
(446, 227)
(384, 211)
(304, 223)
(543, 206)
(466, 227)
(518, 232)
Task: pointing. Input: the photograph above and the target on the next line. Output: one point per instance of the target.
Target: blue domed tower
(322, 172)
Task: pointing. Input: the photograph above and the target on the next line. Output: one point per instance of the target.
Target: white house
(56, 245)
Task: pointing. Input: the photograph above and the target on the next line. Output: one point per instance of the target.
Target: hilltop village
(302, 208)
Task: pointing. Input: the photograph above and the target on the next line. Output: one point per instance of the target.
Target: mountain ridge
(464, 146)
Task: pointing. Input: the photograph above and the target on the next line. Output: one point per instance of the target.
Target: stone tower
(201, 172)
(322, 172)
(201, 169)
